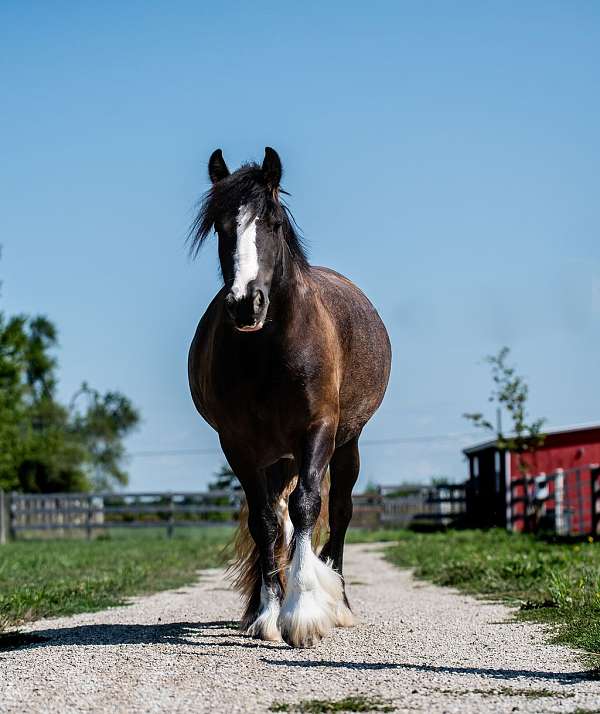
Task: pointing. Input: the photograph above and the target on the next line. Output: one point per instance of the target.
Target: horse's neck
(292, 294)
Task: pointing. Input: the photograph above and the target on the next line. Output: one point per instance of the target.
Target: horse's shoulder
(330, 277)
(343, 298)
(354, 315)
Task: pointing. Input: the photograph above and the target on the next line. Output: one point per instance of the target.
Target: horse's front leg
(262, 577)
(313, 589)
(264, 525)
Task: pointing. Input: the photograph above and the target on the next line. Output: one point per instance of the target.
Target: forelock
(247, 187)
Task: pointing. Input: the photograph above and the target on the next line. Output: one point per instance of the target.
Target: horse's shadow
(225, 633)
(217, 633)
(563, 678)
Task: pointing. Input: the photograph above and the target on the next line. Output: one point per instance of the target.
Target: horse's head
(256, 237)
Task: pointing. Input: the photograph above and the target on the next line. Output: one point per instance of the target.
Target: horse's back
(365, 349)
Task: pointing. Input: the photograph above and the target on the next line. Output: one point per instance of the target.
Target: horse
(288, 364)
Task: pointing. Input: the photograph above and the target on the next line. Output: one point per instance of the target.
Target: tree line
(45, 445)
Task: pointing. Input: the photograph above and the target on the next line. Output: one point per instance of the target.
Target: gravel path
(424, 648)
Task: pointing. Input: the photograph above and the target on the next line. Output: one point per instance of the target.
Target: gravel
(423, 648)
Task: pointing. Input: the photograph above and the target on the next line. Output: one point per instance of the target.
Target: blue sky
(445, 156)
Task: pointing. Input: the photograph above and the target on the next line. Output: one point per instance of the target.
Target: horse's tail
(244, 569)
(321, 530)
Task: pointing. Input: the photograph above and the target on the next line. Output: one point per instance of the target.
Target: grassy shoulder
(556, 583)
(64, 577)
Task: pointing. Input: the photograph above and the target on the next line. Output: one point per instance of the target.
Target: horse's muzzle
(249, 311)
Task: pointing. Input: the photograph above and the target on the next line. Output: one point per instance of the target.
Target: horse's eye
(222, 230)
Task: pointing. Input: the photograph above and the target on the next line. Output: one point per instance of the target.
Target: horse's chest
(243, 392)
(251, 393)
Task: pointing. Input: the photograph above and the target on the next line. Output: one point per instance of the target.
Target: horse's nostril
(230, 302)
(258, 299)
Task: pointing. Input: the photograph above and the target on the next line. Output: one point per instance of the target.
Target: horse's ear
(272, 168)
(217, 168)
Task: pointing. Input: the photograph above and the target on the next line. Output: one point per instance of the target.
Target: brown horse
(288, 364)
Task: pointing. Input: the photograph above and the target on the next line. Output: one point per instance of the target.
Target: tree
(107, 419)
(12, 406)
(510, 393)
(225, 480)
(46, 446)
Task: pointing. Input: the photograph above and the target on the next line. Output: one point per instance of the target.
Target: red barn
(559, 489)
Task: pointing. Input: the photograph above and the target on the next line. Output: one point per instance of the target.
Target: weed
(357, 703)
(509, 692)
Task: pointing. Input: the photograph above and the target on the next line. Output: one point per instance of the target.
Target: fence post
(559, 502)
(171, 518)
(595, 478)
(580, 511)
(3, 518)
(12, 516)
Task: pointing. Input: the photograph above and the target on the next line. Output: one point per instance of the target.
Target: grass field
(555, 583)
(551, 582)
(62, 577)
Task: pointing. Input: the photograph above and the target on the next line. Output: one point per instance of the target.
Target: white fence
(90, 514)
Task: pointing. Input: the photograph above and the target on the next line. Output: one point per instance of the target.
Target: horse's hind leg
(313, 589)
(343, 469)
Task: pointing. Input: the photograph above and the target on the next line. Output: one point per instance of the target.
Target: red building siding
(563, 450)
(573, 450)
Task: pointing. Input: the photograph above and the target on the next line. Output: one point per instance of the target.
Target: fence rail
(443, 505)
(59, 513)
(566, 501)
(99, 511)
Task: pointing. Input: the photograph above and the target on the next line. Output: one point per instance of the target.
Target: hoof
(305, 641)
(305, 619)
(264, 627)
(313, 599)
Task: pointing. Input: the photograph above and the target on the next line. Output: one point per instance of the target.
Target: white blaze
(245, 258)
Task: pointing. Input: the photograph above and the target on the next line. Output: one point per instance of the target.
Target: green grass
(509, 692)
(550, 582)
(556, 583)
(382, 535)
(356, 703)
(62, 577)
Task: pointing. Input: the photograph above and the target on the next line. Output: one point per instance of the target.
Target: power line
(173, 452)
(152, 453)
(419, 439)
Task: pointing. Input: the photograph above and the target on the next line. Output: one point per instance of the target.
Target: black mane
(246, 185)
